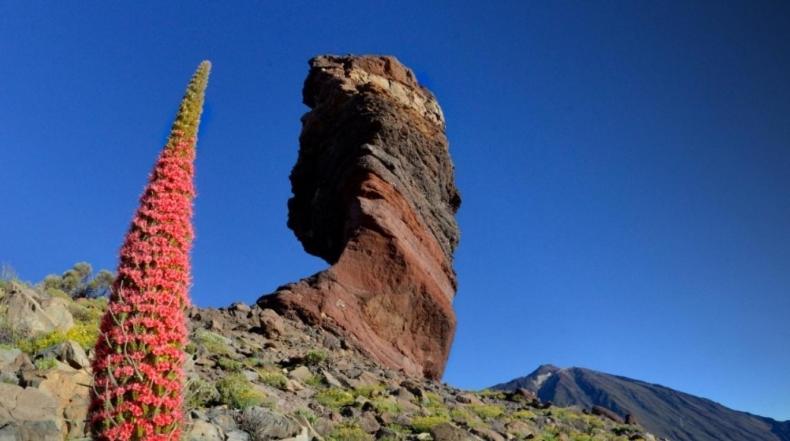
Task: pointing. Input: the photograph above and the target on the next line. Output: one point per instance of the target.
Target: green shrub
(238, 392)
(523, 415)
(273, 378)
(386, 405)
(84, 334)
(230, 365)
(369, 390)
(435, 405)
(45, 363)
(487, 410)
(315, 357)
(199, 393)
(464, 416)
(213, 343)
(425, 423)
(334, 398)
(308, 415)
(349, 432)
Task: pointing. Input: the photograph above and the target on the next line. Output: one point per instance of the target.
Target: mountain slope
(663, 411)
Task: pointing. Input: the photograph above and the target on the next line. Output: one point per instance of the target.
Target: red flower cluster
(138, 374)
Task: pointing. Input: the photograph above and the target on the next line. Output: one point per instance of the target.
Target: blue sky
(624, 166)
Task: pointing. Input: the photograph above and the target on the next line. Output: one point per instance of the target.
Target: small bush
(369, 391)
(237, 392)
(308, 415)
(273, 378)
(487, 410)
(199, 393)
(349, 432)
(523, 415)
(426, 423)
(386, 405)
(491, 393)
(315, 357)
(213, 343)
(464, 416)
(230, 365)
(334, 398)
(45, 363)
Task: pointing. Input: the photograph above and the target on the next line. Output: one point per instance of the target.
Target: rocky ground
(255, 375)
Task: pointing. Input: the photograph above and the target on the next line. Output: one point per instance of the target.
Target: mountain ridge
(662, 410)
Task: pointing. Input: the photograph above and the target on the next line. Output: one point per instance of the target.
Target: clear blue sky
(625, 166)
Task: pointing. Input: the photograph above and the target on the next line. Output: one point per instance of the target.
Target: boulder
(28, 415)
(70, 353)
(70, 388)
(375, 196)
(262, 423)
(30, 312)
(203, 431)
(450, 432)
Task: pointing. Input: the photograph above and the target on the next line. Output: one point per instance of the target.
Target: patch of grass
(315, 357)
(212, 342)
(523, 415)
(399, 432)
(426, 423)
(315, 381)
(435, 405)
(466, 417)
(334, 398)
(307, 414)
(229, 364)
(199, 393)
(253, 362)
(273, 378)
(386, 405)
(45, 363)
(238, 392)
(487, 410)
(491, 393)
(369, 390)
(349, 432)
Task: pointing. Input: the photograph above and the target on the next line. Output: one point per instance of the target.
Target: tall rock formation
(374, 195)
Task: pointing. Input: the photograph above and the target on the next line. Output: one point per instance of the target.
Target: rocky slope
(374, 196)
(255, 375)
(669, 413)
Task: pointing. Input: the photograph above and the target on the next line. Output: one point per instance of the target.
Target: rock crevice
(374, 195)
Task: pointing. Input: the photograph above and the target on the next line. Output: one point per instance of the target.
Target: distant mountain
(661, 410)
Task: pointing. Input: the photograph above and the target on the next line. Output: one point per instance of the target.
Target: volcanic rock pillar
(374, 195)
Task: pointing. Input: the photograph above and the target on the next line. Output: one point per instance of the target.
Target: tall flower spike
(138, 367)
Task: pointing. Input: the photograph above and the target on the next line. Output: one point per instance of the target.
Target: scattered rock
(203, 431)
(450, 432)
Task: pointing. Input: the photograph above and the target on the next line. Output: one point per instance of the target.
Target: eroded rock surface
(374, 195)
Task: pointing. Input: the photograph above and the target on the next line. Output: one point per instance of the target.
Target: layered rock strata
(374, 195)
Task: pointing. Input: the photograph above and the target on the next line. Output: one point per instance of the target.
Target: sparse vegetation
(199, 393)
(238, 392)
(349, 432)
(334, 398)
(314, 358)
(425, 423)
(45, 363)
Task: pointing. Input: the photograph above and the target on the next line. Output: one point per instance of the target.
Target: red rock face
(374, 195)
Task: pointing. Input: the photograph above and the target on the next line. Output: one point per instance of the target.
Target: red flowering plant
(138, 367)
